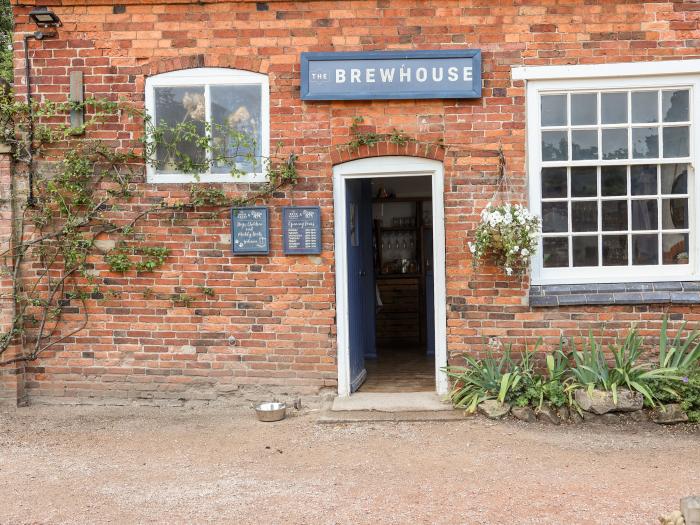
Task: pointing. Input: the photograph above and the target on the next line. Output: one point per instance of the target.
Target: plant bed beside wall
(583, 384)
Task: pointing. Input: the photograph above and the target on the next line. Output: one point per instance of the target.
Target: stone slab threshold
(375, 406)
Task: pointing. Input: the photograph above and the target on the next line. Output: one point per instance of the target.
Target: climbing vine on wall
(84, 189)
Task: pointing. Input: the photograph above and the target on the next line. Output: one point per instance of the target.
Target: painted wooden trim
(604, 275)
(212, 76)
(614, 70)
(389, 166)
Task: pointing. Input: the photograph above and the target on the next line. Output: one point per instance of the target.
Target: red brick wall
(280, 310)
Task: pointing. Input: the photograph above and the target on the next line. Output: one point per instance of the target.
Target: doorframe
(381, 167)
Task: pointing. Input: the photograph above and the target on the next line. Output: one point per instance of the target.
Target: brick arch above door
(166, 65)
(383, 148)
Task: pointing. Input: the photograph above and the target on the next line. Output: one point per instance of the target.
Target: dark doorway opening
(390, 284)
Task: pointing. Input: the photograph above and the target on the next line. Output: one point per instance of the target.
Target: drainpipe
(38, 35)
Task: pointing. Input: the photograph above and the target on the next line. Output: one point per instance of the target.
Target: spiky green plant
(680, 352)
(483, 379)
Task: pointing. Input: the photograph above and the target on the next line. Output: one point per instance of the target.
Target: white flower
(509, 270)
(472, 247)
(525, 252)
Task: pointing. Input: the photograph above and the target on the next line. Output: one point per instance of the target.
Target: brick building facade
(271, 325)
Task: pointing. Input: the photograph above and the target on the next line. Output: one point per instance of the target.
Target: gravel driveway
(185, 465)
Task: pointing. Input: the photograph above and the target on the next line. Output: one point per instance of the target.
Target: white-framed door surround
(380, 167)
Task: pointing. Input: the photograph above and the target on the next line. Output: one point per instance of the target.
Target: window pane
(645, 143)
(645, 249)
(585, 250)
(584, 182)
(614, 215)
(554, 110)
(645, 107)
(613, 180)
(615, 144)
(676, 142)
(584, 109)
(675, 247)
(553, 182)
(675, 106)
(674, 214)
(614, 250)
(584, 144)
(613, 108)
(643, 180)
(644, 215)
(555, 252)
(181, 110)
(674, 178)
(555, 217)
(236, 131)
(584, 216)
(554, 145)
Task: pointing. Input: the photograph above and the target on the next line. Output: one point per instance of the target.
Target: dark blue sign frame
(364, 91)
(315, 212)
(235, 231)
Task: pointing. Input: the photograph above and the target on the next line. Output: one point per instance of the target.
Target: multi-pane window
(612, 175)
(229, 107)
(615, 215)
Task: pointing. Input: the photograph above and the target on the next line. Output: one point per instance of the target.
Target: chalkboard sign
(301, 227)
(250, 231)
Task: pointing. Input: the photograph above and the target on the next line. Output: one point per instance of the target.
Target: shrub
(675, 377)
(482, 379)
(686, 392)
(591, 369)
(550, 387)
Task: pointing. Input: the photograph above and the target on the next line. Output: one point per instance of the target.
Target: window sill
(672, 292)
(180, 178)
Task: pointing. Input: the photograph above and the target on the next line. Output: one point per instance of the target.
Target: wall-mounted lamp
(43, 17)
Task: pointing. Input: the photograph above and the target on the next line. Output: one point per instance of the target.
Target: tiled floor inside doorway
(400, 370)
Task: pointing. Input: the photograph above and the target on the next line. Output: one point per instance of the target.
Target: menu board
(250, 231)
(301, 228)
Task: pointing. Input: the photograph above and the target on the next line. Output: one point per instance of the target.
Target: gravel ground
(219, 465)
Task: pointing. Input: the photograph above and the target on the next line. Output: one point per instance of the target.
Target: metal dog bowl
(271, 411)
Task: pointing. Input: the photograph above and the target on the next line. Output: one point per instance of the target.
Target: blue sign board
(382, 75)
(301, 229)
(250, 231)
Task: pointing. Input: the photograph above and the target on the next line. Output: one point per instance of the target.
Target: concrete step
(391, 402)
(375, 406)
(330, 417)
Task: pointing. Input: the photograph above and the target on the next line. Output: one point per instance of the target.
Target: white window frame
(209, 76)
(629, 76)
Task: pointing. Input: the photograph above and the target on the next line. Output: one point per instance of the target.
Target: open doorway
(390, 272)
(402, 256)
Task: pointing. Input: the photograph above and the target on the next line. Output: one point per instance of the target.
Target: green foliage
(118, 260)
(507, 236)
(85, 184)
(372, 138)
(680, 352)
(591, 369)
(482, 379)
(206, 291)
(552, 386)
(183, 299)
(150, 258)
(6, 29)
(523, 383)
(686, 392)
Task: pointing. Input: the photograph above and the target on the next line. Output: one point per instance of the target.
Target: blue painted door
(361, 293)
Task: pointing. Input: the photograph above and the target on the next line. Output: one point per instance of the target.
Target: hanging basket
(507, 234)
